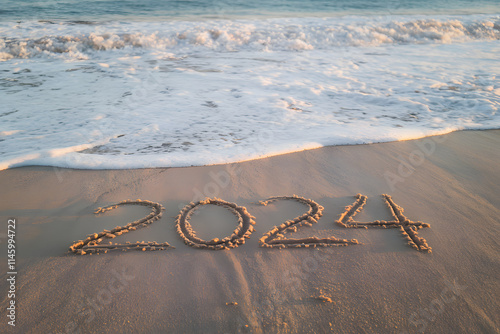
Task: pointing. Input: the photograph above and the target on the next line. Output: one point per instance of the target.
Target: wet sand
(378, 284)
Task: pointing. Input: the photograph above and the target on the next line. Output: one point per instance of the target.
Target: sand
(378, 285)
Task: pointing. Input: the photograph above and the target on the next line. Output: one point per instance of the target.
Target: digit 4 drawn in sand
(406, 226)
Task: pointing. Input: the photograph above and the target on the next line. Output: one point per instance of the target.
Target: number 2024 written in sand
(275, 238)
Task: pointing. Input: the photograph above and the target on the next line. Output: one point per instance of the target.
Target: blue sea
(134, 84)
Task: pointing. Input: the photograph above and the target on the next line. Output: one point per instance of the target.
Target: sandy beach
(380, 285)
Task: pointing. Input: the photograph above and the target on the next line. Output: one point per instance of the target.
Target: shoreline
(251, 159)
(380, 285)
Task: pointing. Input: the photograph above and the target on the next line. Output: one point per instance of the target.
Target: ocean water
(135, 84)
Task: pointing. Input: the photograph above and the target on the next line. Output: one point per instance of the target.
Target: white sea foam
(35, 39)
(150, 94)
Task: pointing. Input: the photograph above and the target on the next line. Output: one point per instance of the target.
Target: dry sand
(381, 285)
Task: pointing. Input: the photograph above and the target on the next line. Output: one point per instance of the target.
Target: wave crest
(266, 35)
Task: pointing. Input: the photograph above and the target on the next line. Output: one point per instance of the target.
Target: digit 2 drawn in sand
(275, 237)
(242, 231)
(407, 227)
(93, 243)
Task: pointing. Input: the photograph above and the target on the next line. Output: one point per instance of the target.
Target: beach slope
(380, 285)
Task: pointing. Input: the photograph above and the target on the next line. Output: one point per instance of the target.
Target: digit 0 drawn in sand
(276, 236)
(93, 243)
(242, 231)
(408, 228)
